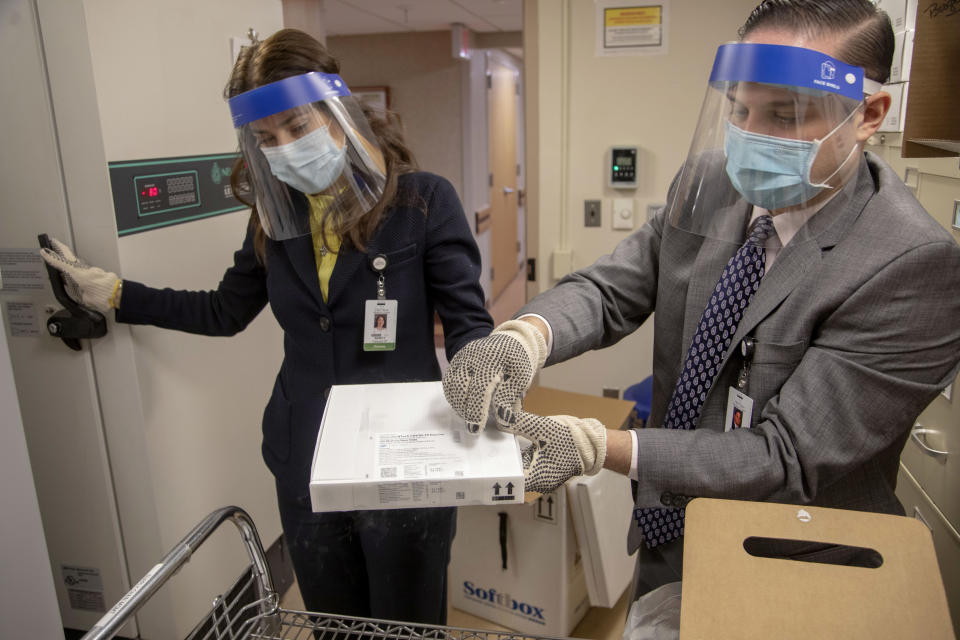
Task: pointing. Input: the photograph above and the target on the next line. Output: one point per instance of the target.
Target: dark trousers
(389, 564)
(657, 567)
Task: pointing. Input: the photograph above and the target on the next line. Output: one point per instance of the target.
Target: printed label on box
(416, 456)
(396, 493)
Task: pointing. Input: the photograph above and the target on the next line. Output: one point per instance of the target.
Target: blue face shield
(777, 129)
(307, 135)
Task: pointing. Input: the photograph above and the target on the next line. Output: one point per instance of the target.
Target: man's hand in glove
(90, 286)
(562, 447)
(498, 368)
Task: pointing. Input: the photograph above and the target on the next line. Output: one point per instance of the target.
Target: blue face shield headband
(285, 94)
(770, 171)
(307, 135)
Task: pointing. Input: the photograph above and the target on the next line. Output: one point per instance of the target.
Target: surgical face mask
(772, 172)
(309, 164)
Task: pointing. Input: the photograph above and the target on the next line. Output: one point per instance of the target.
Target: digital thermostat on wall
(623, 168)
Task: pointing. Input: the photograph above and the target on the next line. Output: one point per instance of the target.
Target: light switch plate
(591, 213)
(622, 213)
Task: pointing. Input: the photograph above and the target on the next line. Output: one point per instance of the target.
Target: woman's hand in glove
(561, 447)
(498, 368)
(90, 286)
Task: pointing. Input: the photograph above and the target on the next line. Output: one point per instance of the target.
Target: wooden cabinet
(932, 128)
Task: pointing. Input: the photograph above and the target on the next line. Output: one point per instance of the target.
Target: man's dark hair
(865, 33)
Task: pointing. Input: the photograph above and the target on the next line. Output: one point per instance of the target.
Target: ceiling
(352, 17)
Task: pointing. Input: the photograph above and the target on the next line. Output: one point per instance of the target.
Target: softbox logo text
(504, 601)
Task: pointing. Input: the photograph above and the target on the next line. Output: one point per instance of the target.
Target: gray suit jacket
(857, 326)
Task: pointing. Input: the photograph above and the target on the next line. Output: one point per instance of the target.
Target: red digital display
(150, 192)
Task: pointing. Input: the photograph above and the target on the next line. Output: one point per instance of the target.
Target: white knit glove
(500, 368)
(90, 286)
(561, 447)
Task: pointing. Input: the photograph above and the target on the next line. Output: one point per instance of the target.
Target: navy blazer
(433, 264)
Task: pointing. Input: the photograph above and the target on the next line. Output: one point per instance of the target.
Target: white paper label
(84, 588)
(417, 456)
(22, 318)
(22, 270)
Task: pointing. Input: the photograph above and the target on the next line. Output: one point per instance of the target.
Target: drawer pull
(919, 436)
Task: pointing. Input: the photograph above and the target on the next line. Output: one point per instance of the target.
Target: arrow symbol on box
(496, 489)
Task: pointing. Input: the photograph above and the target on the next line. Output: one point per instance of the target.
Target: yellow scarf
(326, 259)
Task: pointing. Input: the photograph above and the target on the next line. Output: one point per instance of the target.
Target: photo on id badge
(380, 326)
(739, 410)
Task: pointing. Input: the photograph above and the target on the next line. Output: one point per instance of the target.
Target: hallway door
(502, 133)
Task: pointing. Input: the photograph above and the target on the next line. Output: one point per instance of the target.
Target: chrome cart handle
(919, 435)
(114, 619)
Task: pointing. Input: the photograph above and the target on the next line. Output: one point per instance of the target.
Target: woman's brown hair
(290, 52)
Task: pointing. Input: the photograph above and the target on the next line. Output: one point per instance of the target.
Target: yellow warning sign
(632, 16)
(627, 28)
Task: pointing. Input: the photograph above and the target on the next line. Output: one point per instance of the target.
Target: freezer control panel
(159, 192)
(167, 192)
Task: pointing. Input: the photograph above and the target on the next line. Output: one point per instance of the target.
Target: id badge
(380, 325)
(739, 410)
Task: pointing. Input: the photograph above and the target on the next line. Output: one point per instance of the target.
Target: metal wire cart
(251, 607)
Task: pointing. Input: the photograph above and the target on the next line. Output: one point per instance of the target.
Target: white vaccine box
(520, 567)
(400, 445)
(601, 507)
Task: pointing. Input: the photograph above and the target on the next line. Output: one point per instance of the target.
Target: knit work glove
(498, 368)
(561, 447)
(90, 286)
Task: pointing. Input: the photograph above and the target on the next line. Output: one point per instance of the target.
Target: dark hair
(866, 36)
(290, 52)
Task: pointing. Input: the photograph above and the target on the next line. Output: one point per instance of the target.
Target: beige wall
(579, 105)
(425, 89)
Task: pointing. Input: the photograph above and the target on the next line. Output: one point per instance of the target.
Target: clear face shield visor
(309, 153)
(777, 130)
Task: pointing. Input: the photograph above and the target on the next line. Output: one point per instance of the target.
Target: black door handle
(74, 321)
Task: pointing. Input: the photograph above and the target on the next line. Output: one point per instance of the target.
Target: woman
(342, 229)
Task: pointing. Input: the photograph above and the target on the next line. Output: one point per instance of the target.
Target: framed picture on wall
(376, 97)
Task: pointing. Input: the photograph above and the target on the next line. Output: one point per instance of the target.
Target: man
(795, 281)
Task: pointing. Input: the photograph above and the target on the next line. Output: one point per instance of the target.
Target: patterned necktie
(737, 284)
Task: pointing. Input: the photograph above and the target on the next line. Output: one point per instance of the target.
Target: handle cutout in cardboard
(808, 551)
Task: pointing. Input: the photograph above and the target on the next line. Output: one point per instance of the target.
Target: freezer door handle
(75, 321)
(919, 435)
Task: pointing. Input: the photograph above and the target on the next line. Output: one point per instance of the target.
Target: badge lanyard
(739, 404)
(380, 316)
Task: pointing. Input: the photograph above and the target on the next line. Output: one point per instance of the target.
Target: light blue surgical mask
(772, 172)
(309, 164)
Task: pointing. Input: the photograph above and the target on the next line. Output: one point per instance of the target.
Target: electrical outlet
(591, 213)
